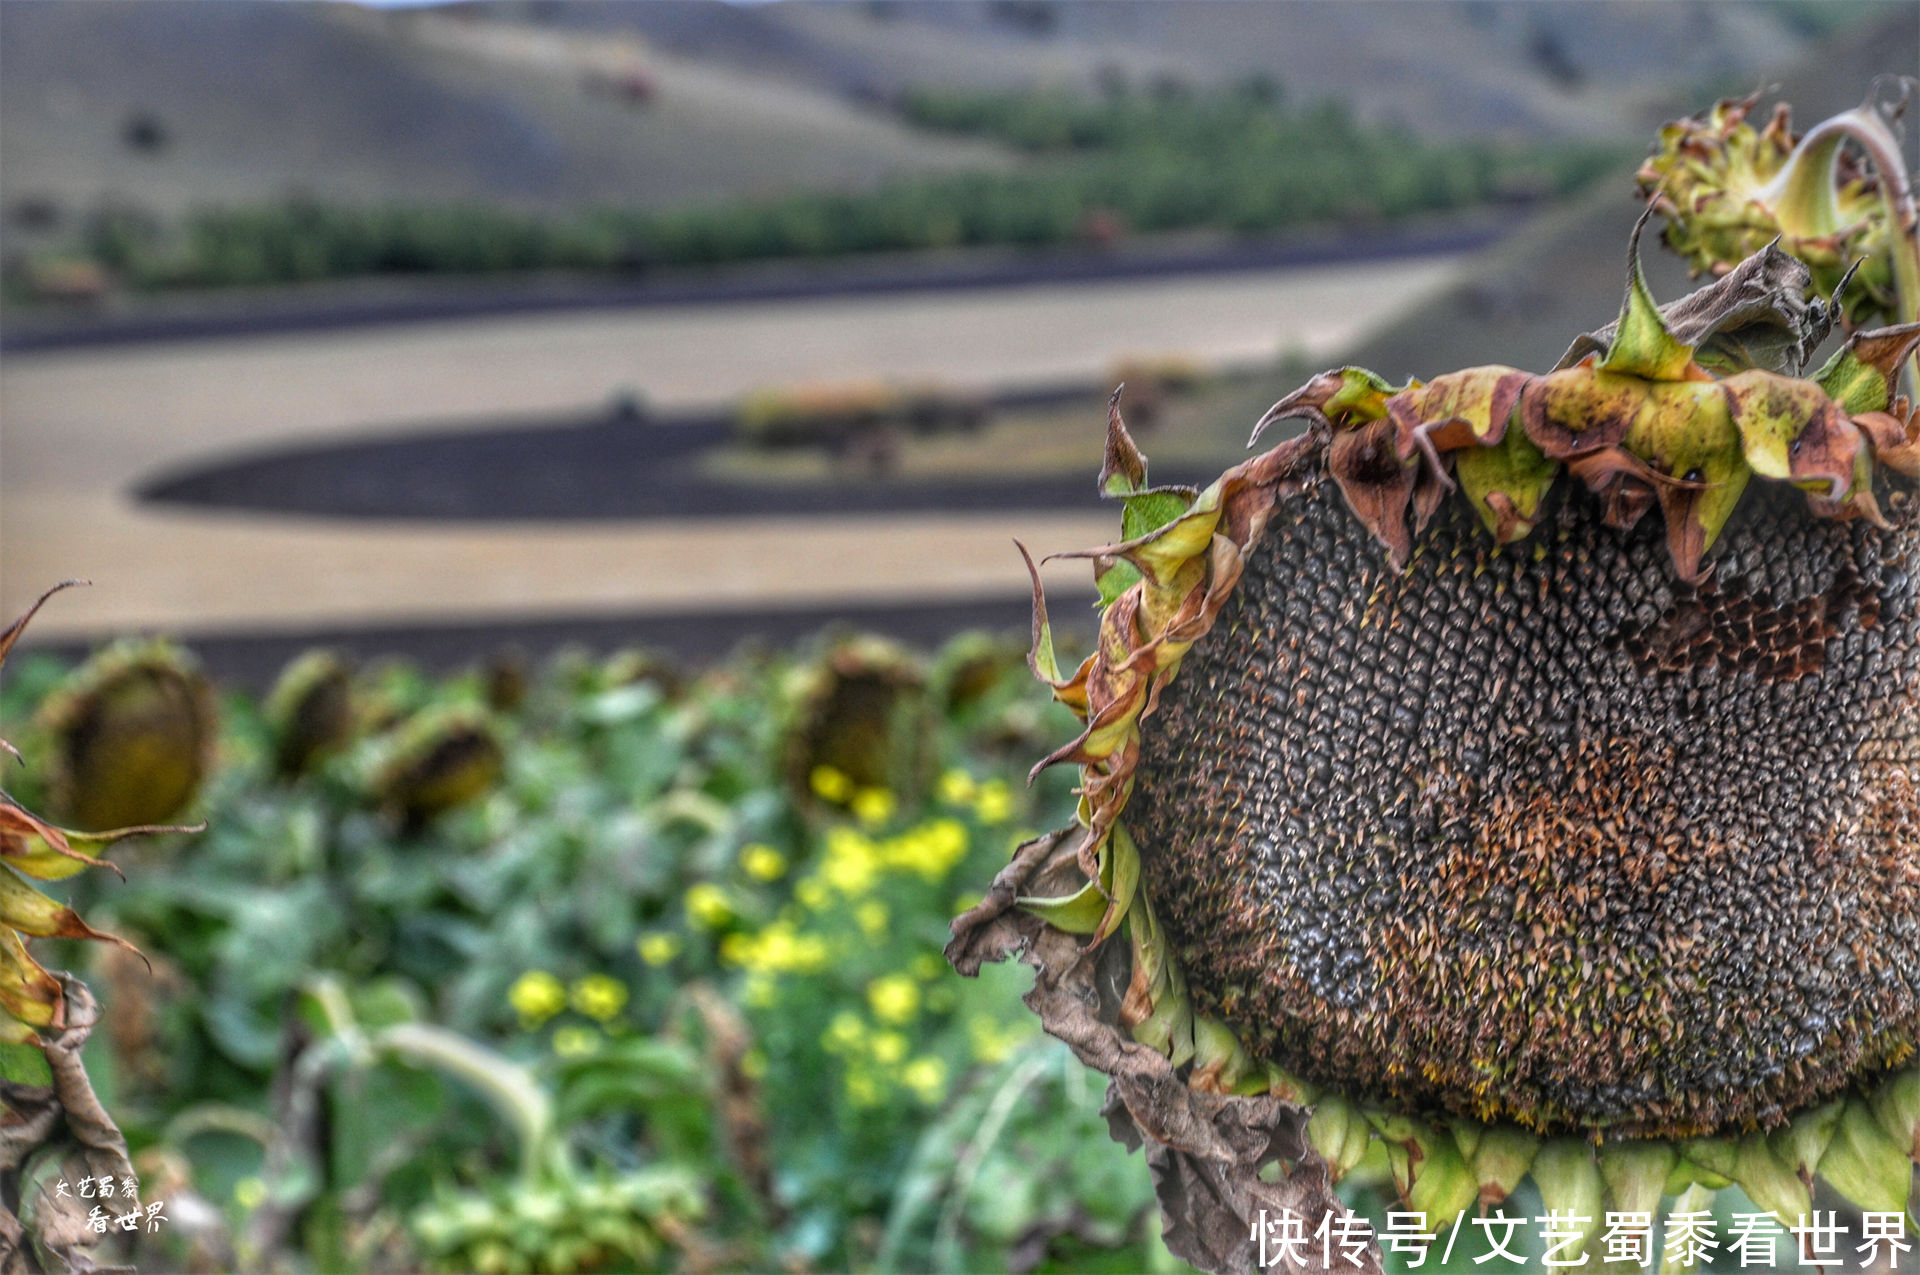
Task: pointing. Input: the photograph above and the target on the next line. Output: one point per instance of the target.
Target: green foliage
(1008, 1165)
(1238, 160)
(584, 1225)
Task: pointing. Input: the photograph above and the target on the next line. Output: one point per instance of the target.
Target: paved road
(84, 427)
(368, 302)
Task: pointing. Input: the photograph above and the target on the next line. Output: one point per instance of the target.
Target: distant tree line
(1096, 167)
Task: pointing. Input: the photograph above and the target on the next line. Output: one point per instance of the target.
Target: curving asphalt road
(367, 303)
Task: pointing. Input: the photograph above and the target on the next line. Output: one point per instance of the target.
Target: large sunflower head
(1523, 770)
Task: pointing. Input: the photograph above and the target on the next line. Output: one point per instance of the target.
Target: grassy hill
(1587, 69)
(591, 135)
(525, 104)
(250, 101)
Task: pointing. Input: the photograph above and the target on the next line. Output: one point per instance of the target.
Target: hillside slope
(1587, 69)
(252, 100)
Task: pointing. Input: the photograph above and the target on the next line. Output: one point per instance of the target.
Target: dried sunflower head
(440, 758)
(507, 679)
(855, 720)
(130, 736)
(310, 711)
(1524, 770)
(31, 999)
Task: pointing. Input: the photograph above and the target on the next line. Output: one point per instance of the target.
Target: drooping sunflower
(441, 758)
(32, 1000)
(310, 711)
(129, 736)
(1520, 770)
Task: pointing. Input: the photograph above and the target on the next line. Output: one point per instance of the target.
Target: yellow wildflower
(934, 848)
(536, 996)
(763, 863)
(888, 1048)
(955, 787)
(575, 1041)
(777, 944)
(846, 1032)
(873, 806)
(812, 893)
(927, 966)
(850, 864)
(801, 954)
(872, 917)
(895, 998)
(659, 947)
(707, 905)
(810, 954)
(599, 996)
(994, 802)
(778, 949)
(927, 1077)
(829, 784)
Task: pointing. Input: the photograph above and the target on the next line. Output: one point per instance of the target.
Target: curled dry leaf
(1206, 1150)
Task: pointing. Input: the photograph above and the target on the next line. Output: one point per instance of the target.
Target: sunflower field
(606, 967)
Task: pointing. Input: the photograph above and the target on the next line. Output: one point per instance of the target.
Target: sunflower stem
(506, 1085)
